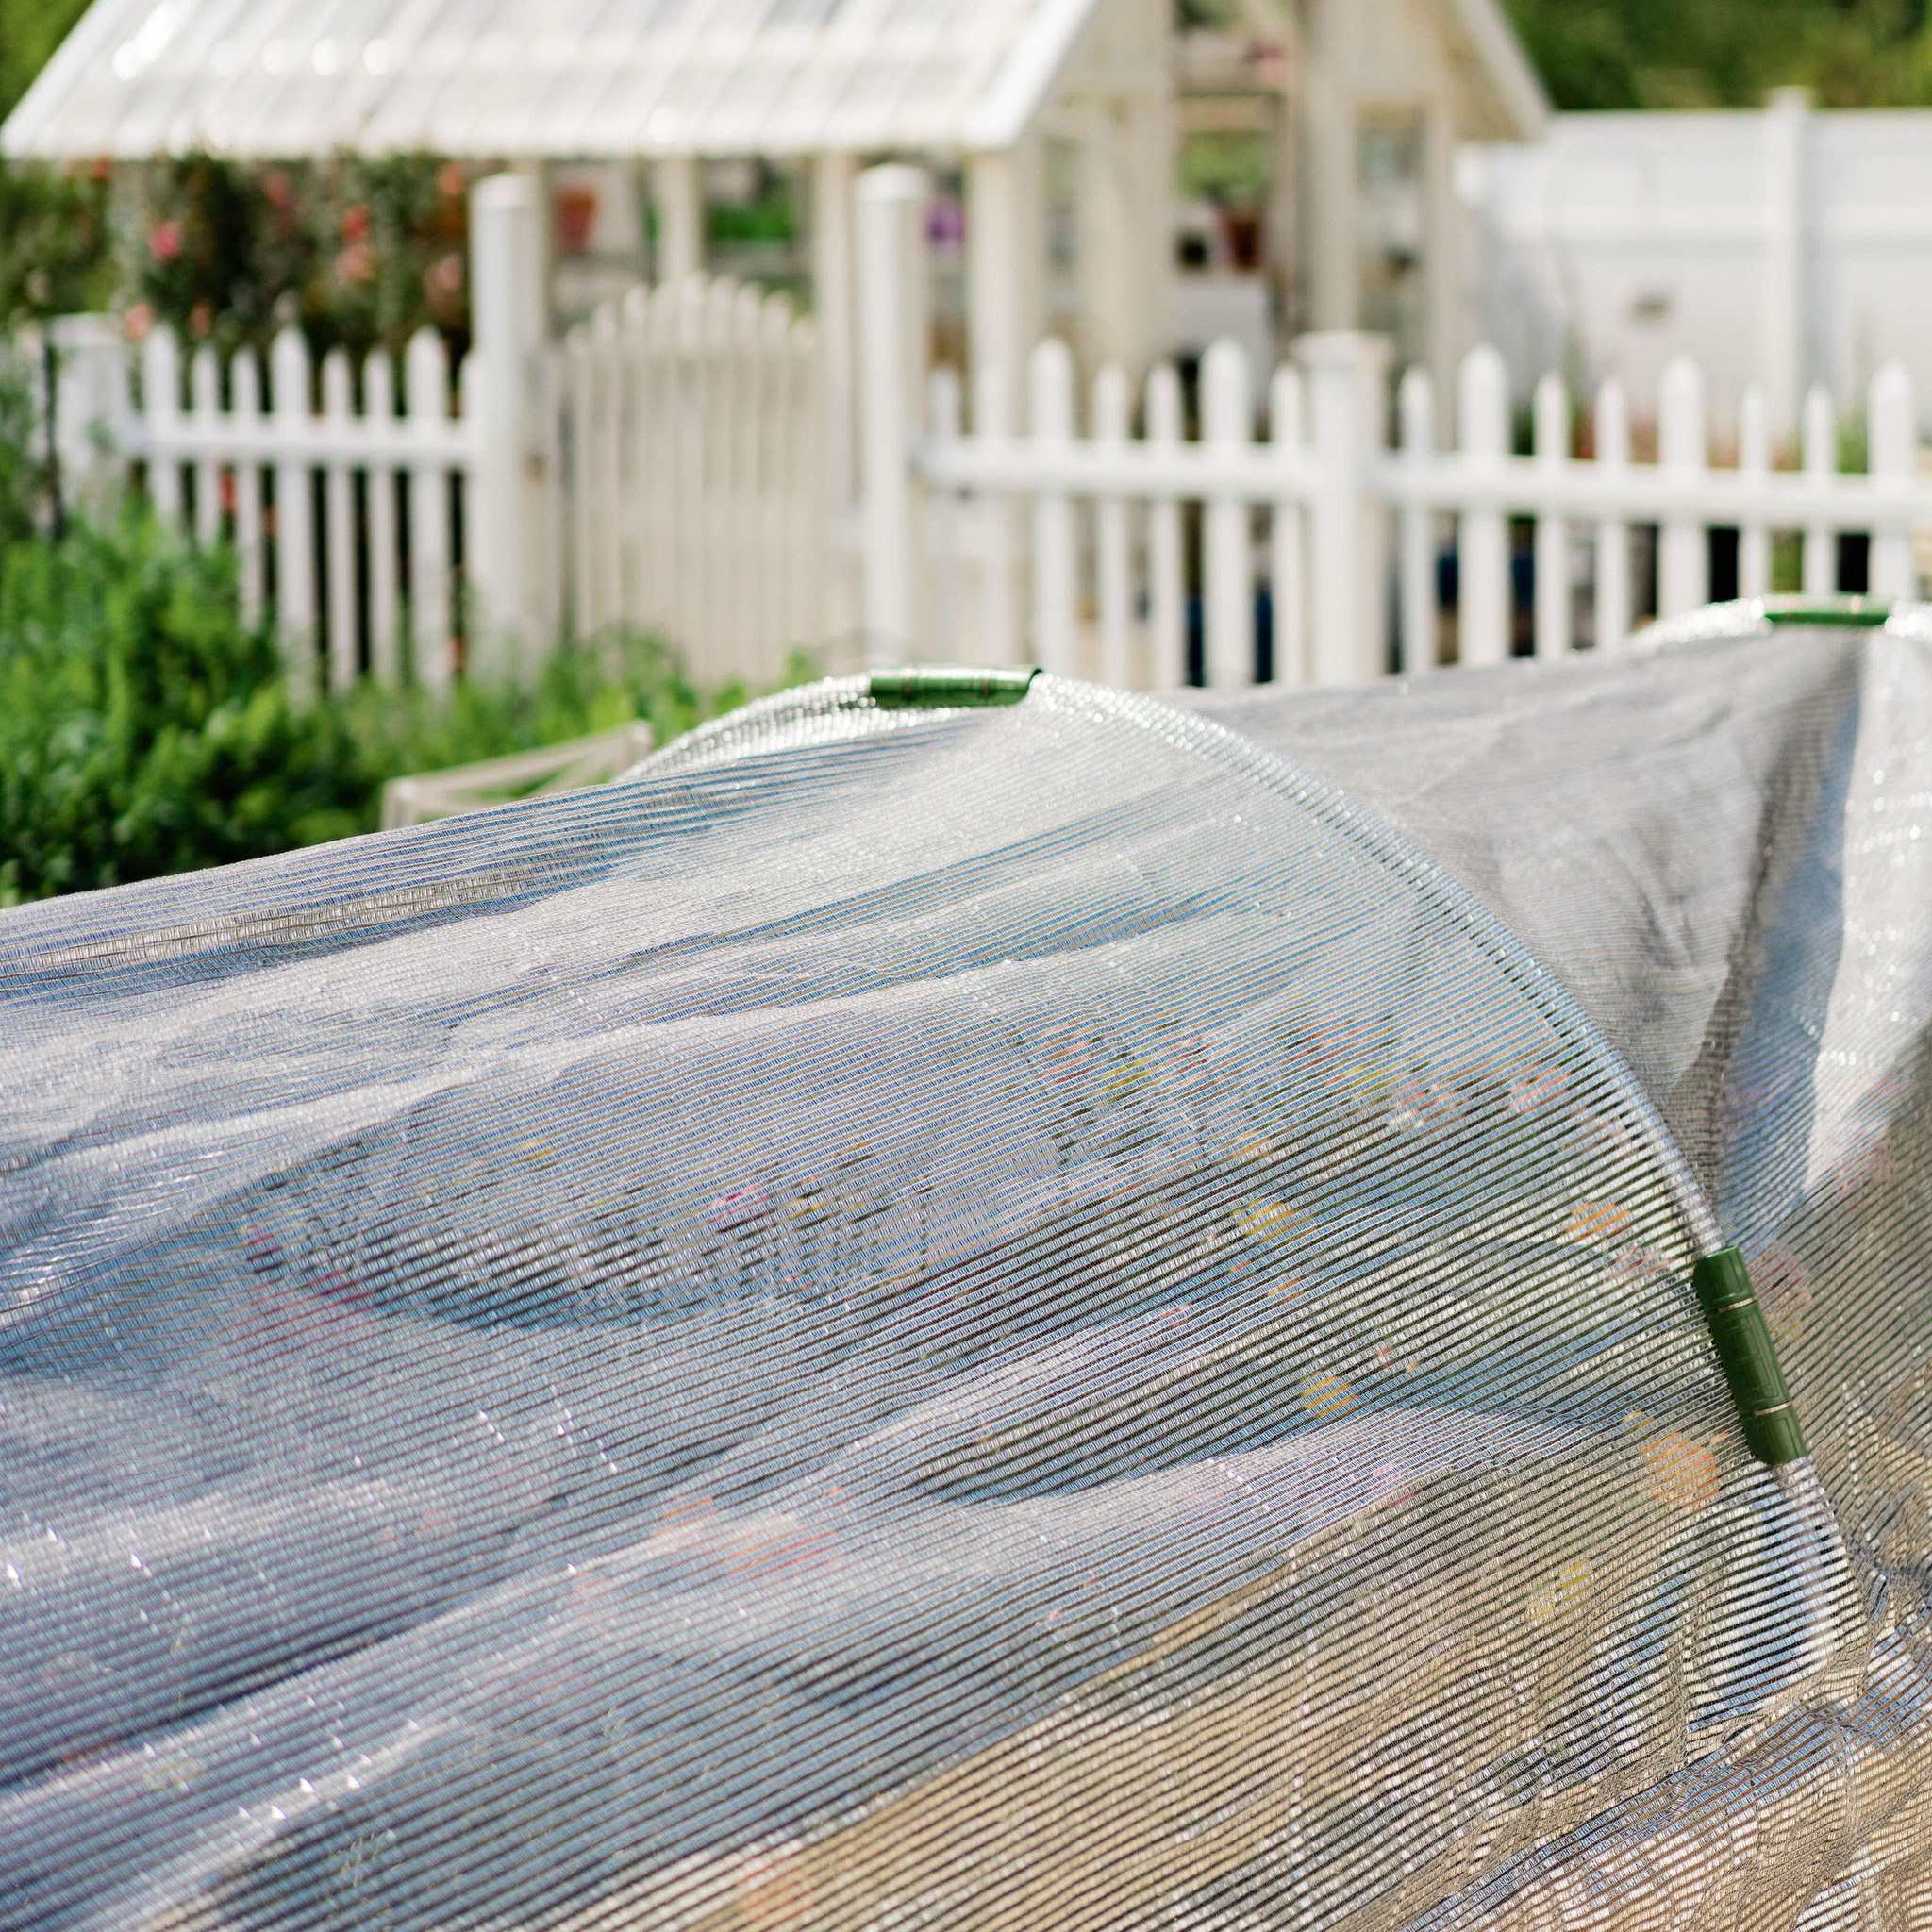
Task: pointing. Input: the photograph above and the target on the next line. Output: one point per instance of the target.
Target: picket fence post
(91, 369)
(1891, 437)
(893, 325)
(1348, 377)
(505, 511)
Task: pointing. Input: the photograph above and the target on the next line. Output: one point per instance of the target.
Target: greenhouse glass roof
(570, 77)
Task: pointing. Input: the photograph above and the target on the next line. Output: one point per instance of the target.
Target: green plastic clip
(1745, 1353)
(1832, 613)
(942, 687)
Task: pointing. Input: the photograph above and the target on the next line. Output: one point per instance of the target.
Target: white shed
(1361, 105)
(673, 85)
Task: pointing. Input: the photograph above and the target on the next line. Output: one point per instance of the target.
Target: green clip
(942, 687)
(1829, 613)
(1744, 1351)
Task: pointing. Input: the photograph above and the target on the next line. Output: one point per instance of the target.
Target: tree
(1728, 53)
(29, 32)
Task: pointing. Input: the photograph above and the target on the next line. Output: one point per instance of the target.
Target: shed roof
(565, 77)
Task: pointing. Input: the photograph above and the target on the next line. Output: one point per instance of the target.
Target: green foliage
(1728, 53)
(1227, 167)
(54, 252)
(29, 32)
(769, 220)
(22, 475)
(145, 729)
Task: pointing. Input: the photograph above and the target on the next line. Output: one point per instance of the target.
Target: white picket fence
(1137, 540)
(1104, 549)
(342, 498)
(665, 467)
(692, 417)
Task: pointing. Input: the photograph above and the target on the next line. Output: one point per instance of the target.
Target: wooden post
(160, 403)
(1167, 612)
(339, 529)
(1612, 532)
(677, 189)
(507, 513)
(1891, 432)
(1482, 599)
(245, 406)
(89, 406)
(1113, 546)
(425, 378)
(1288, 591)
(1783, 304)
(1229, 592)
(1754, 460)
(287, 378)
(1005, 252)
(833, 180)
(1553, 626)
(1056, 561)
(1416, 572)
(1347, 382)
(1113, 318)
(379, 406)
(1683, 452)
(1820, 570)
(1330, 116)
(205, 398)
(1005, 261)
(894, 307)
(1442, 244)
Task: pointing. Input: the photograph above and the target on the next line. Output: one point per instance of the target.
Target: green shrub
(145, 729)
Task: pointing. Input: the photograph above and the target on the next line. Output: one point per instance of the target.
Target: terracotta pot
(576, 216)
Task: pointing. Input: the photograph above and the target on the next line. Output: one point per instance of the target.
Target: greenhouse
(972, 1302)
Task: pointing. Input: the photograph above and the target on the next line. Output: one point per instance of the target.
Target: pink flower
(354, 263)
(451, 181)
(443, 282)
(355, 223)
(138, 321)
(278, 188)
(164, 241)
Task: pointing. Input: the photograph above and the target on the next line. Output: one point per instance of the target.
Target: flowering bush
(395, 240)
(359, 250)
